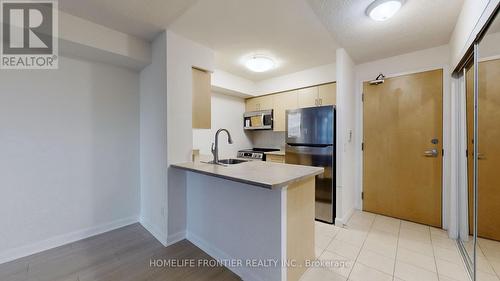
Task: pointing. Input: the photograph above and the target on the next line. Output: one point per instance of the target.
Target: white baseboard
(154, 231)
(177, 237)
(63, 239)
(243, 273)
(344, 219)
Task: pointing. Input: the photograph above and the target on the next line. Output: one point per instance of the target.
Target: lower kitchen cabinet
(275, 158)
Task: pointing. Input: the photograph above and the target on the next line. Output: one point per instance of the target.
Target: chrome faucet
(215, 146)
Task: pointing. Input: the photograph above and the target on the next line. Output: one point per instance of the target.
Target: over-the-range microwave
(258, 120)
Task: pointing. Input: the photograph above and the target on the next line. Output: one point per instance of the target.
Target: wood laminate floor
(120, 255)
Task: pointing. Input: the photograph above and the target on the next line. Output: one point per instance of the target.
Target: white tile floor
(488, 256)
(377, 248)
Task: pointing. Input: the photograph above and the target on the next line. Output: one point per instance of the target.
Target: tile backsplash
(268, 139)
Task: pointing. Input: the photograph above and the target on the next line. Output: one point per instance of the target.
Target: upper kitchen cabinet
(202, 104)
(283, 102)
(318, 95)
(327, 94)
(308, 97)
(259, 103)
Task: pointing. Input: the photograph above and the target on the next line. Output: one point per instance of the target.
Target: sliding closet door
(482, 249)
(489, 150)
(488, 141)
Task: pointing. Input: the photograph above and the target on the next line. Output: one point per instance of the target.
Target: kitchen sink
(232, 161)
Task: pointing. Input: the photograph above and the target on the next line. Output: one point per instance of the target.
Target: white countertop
(259, 173)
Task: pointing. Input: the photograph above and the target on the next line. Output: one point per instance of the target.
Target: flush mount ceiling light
(381, 10)
(259, 63)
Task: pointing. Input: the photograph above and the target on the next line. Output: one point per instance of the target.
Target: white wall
(254, 225)
(69, 140)
(227, 112)
(403, 64)
(346, 120)
(224, 82)
(228, 83)
(268, 139)
(471, 19)
(424, 60)
(85, 39)
(459, 200)
(153, 141)
(182, 55)
(309, 77)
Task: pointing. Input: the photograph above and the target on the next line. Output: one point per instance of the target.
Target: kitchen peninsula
(253, 211)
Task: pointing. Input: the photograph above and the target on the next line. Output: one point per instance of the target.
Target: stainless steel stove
(255, 153)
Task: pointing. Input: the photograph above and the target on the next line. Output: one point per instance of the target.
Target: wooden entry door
(488, 222)
(402, 157)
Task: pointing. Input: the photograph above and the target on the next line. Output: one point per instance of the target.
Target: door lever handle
(431, 153)
(480, 156)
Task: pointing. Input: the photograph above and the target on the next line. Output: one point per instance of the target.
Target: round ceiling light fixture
(382, 10)
(259, 63)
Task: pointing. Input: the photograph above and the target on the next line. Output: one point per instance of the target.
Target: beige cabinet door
(251, 104)
(265, 102)
(283, 102)
(308, 97)
(259, 103)
(202, 103)
(327, 94)
(403, 141)
(275, 158)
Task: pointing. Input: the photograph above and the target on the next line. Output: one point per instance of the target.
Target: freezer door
(313, 125)
(325, 183)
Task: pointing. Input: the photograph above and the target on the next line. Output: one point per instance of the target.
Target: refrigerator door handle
(318, 156)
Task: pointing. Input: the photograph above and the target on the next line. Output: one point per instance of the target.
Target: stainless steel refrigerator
(310, 139)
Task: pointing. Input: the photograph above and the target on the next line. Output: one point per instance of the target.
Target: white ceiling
(418, 25)
(298, 34)
(286, 30)
(142, 18)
